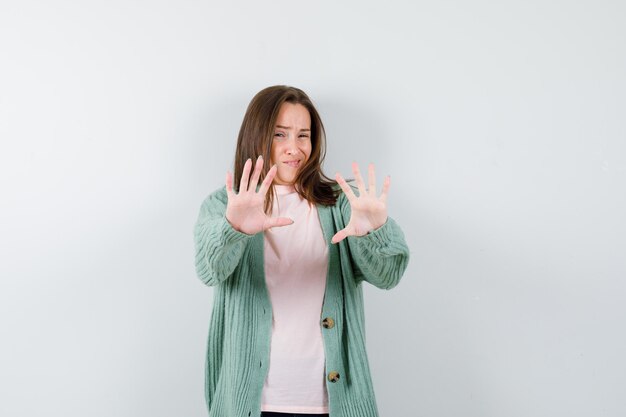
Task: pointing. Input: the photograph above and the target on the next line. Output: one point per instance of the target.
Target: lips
(293, 164)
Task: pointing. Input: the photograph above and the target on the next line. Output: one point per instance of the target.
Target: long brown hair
(257, 133)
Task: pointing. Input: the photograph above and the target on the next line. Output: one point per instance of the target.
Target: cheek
(306, 149)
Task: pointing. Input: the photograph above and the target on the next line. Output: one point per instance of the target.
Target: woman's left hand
(369, 212)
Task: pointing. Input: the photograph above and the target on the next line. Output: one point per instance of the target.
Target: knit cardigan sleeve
(219, 247)
(379, 257)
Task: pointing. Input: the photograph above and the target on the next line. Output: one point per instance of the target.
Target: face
(291, 145)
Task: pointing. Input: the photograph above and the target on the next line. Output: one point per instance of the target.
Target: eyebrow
(289, 127)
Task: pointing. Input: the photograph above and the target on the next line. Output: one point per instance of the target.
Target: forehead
(293, 115)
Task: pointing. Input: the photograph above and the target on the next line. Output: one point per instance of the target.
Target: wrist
(373, 229)
(232, 225)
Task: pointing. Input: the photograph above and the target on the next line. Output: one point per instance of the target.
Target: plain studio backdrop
(502, 125)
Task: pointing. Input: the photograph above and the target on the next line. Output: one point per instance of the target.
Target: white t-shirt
(296, 264)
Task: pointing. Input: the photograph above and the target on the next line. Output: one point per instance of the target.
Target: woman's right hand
(244, 210)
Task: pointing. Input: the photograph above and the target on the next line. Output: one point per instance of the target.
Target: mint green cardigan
(238, 345)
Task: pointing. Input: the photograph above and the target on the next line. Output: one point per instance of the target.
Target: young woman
(286, 250)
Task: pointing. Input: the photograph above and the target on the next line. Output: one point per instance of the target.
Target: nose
(291, 147)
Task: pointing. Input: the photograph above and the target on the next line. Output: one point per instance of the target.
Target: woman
(286, 249)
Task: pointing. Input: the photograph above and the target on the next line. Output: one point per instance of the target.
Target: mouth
(293, 164)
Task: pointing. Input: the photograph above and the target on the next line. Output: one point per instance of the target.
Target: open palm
(368, 211)
(244, 210)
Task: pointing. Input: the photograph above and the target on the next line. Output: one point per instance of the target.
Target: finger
(339, 236)
(229, 185)
(269, 177)
(345, 187)
(245, 175)
(371, 173)
(277, 222)
(257, 173)
(386, 184)
(359, 179)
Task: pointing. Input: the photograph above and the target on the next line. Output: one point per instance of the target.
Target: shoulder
(216, 200)
(342, 204)
(219, 194)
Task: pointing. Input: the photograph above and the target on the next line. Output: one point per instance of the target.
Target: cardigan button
(328, 323)
(333, 376)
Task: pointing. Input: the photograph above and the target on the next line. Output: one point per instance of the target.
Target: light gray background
(501, 124)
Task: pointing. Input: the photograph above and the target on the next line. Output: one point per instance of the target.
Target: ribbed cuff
(230, 234)
(380, 237)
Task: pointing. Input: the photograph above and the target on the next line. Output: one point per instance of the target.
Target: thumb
(340, 235)
(277, 222)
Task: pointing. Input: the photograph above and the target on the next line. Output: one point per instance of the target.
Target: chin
(283, 182)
